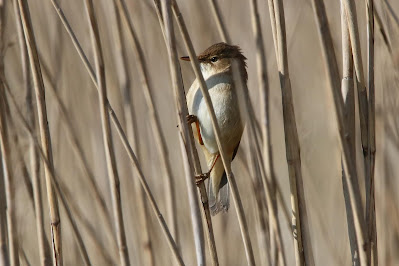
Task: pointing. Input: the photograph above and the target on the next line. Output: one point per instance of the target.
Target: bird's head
(219, 57)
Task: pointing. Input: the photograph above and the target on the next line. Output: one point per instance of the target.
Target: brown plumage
(216, 64)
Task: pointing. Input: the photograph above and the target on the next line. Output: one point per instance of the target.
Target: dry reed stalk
(72, 205)
(4, 260)
(259, 139)
(371, 227)
(122, 136)
(77, 148)
(383, 33)
(43, 245)
(219, 22)
(52, 175)
(205, 93)
(131, 128)
(348, 162)
(155, 121)
(9, 180)
(300, 223)
(391, 12)
(146, 188)
(194, 205)
(351, 16)
(8, 213)
(269, 176)
(347, 90)
(55, 221)
(108, 143)
(187, 134)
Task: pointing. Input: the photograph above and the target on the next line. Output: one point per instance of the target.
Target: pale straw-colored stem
(53, 178)
(113, 176)
(371, 227)
(146, 188)
(207, 99)
(351, 16)
(347, 90)
(300, 222)
(334, 84)
(122, 135)
(188, 135)
(44, 248)
(194, 207)
(155, 121)
(219, 22)
(78, 150)
(382, 31)
(55, 221)
(391, 12)
(131, 129)
(9, 181)
(269, 176)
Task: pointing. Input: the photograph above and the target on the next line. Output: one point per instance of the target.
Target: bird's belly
(228, 117)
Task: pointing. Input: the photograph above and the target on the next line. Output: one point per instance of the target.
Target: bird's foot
(192, 119)
(201, 178)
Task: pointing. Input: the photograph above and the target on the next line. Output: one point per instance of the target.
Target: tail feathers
(219, 201)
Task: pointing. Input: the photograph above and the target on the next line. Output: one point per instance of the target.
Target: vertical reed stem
(108, 143)
(334, 83)
(300, 223)
(370, 191)
(55, 221)
(347, 90)
(205, 93)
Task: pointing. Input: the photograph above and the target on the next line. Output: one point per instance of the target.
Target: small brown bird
(216, 67)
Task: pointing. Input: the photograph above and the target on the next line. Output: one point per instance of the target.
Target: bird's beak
(185, 58)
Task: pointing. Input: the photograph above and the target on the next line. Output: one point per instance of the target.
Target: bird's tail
(219, 199)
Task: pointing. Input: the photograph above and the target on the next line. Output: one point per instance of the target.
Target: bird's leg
(194, 119)
(202, 177)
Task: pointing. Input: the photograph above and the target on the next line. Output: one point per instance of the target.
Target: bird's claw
(201, 178)
(192, 119)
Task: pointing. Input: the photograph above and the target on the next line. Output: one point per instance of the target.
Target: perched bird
(216, 67)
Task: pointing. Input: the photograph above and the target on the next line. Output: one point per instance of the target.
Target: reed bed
(314, 180)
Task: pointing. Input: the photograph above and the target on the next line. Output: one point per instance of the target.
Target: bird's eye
(214, 59)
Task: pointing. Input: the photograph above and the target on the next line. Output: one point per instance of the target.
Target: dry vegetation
(98, 162)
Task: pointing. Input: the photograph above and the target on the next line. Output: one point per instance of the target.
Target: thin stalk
(55, 221)
(78, 149)
(131, 128)
(371, 227)
(155, 121)
(53, 178)
(43, 245)
(158, 214)
(9, 181)
(121, 134)
(348, 162)
(269, 176)
(205, 93)
(219, 22)
(300, 223)
(194, 207)
(351, 15)
(4, 258)
(106, 129)
(188, 138)
(383, 33)
(392, 12)
(347, 89)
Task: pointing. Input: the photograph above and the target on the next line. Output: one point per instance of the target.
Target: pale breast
(226, 108)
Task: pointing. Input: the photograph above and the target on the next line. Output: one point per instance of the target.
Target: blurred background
(315, 119)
